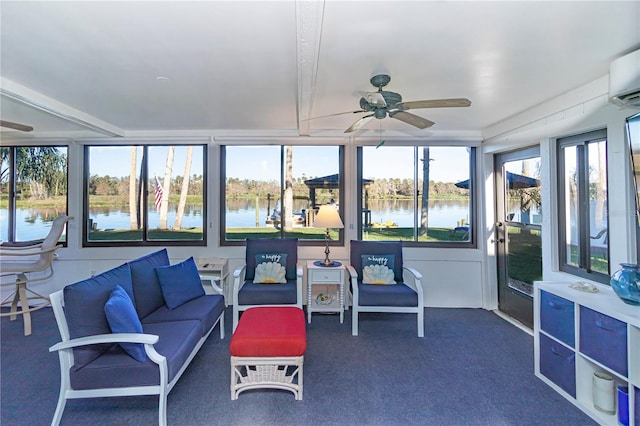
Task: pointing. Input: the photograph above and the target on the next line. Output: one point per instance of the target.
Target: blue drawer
(604, 339)
(558, 364)
(637, 407)
(557, 317)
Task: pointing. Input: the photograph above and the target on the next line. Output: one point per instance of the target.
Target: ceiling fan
(15, 126)
(383, 103)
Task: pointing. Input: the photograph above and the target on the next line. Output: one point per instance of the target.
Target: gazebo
(333, 182)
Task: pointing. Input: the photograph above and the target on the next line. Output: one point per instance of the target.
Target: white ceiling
(77, 69)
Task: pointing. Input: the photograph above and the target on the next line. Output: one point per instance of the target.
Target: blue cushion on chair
(84, 309)
(358, 248)
(123, 318)
(147, 292)
(387, 295)
(280, 294)
(180, 283)
(256, 246)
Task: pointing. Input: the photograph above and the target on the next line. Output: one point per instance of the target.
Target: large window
(145, 195)
(416, 194)
(583, 209)
(33, 191)
(275, 191)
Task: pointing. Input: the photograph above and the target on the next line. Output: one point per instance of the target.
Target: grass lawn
(372, 234)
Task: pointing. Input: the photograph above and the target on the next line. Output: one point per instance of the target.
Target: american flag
(158, 194)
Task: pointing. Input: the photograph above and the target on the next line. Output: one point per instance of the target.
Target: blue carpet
(471, 368)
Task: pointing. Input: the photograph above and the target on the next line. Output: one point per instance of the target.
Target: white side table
(321, 281)
(215, 269)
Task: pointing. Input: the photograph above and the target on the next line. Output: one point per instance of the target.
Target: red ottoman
(267, 350)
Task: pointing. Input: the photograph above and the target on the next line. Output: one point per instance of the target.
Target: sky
(449, 164)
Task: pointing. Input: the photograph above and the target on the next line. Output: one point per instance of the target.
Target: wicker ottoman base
(276, 373)
(267, 350)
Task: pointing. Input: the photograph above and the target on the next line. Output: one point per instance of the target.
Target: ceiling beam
(33, 99)
(309, 18)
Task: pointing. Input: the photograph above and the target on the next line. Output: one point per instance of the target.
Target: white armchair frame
(65, 354)
(23, 260)
(415, 283)
(238, 282)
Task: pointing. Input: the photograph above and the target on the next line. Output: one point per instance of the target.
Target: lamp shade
(328, 217)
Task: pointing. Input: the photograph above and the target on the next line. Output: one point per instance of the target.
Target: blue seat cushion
(397, 295)
(206, 309)
(268, 294)
(116, 369)
(146, 289)
(84, 309)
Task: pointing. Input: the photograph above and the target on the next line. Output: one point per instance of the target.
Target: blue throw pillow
(378, 269)
(271, 268)
(180, 283)
(123, 318)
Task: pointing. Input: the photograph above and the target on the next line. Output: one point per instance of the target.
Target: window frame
(301, 242)
(473, 208)
(581, 141)
(11, 194)
(145, 242)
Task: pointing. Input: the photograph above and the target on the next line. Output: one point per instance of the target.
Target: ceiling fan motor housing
(390, 98)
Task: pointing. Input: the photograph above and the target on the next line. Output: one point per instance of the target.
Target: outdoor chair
(271, 276)
(377, 282)
(24, 260)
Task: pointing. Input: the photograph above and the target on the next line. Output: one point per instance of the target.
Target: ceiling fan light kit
(384, 102)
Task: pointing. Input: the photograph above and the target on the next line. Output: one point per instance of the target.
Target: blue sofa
(132, 330)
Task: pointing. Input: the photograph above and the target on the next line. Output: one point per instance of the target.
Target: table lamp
(327, 217)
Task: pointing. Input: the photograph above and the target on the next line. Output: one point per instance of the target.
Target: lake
(35, 223)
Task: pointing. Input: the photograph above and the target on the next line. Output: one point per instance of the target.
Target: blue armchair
(373, 296)
(248, 292)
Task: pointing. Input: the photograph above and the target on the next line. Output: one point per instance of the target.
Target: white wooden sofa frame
(65, 353)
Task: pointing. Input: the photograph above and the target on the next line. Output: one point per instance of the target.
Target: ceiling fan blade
(358, 124)
(374, 99)
(333, 115)
(15, 126)
(435, 103)
(414, 120)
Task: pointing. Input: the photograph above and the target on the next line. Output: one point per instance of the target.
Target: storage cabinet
(577, 334)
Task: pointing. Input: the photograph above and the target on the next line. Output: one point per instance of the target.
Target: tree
(42, 169)
(185, 189)
(133, 210)
(288, 190)
(166, 188)
(424, 211)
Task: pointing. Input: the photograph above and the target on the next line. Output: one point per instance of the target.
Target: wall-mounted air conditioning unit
(624, 81)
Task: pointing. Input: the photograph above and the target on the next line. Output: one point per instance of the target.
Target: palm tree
(166, 187)
(185, 189)
(424, 210)
(288, 190)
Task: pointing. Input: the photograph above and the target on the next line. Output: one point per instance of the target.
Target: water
(35, 223)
